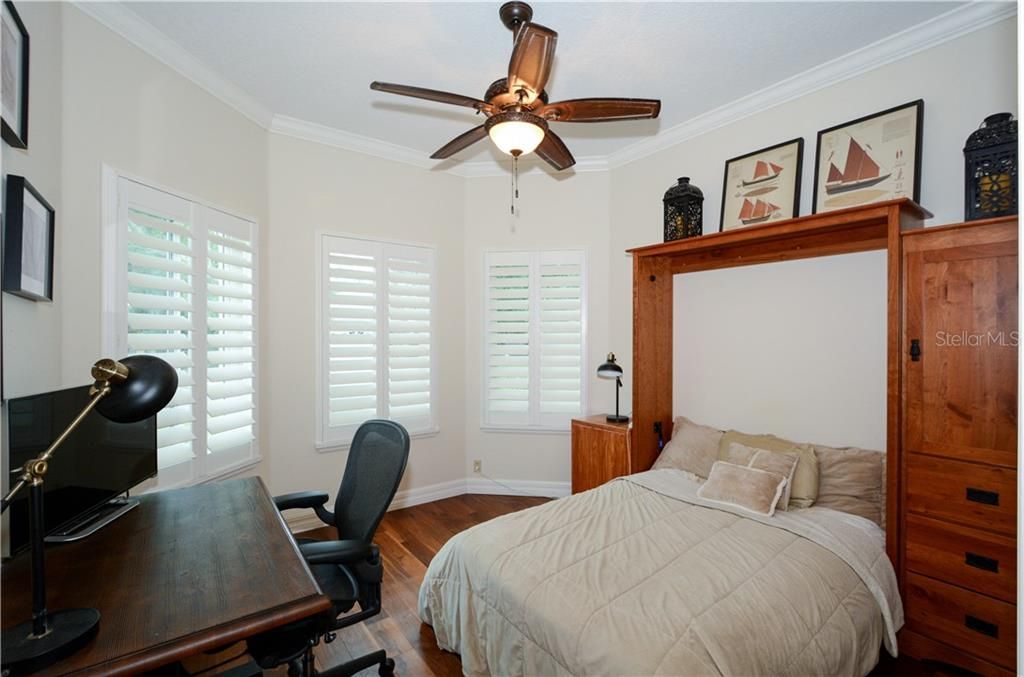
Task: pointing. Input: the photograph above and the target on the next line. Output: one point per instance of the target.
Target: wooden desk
(187, 571)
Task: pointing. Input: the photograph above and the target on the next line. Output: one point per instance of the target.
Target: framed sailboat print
(871, 159)
(762, 186)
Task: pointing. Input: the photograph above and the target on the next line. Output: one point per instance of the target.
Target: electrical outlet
(477, 466)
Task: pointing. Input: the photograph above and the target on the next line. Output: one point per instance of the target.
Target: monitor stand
(90, 523)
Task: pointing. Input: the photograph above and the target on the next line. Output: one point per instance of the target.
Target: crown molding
(948, 26)
(338, 138)
(937, 30)
(151, 40)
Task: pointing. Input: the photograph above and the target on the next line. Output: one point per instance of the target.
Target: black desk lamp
(611, 370)
(124, 392)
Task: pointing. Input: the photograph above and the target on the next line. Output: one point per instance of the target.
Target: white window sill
(525, 430)
(217, 476)
(343, 445)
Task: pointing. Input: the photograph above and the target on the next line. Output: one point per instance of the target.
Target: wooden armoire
(958, 499)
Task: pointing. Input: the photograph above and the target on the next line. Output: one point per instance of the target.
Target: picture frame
(750, 181)
(29, 229)
(870, 159)
(15, 73)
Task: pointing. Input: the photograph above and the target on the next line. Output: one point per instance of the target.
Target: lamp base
(613, 418)
(70, 630)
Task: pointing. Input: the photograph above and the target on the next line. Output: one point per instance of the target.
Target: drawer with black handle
(978, 560)
(974, 494)
(974, 623)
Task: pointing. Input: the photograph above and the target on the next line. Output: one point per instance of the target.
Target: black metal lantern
(990, 169)
(684, 211)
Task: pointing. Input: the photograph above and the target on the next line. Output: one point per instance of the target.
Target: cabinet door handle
(915, 350)
(982, 496)
(980, 626)
(981, 562)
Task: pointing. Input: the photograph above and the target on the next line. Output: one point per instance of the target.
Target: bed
(641, 576)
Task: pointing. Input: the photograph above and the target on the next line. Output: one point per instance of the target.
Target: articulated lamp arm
(106, 372)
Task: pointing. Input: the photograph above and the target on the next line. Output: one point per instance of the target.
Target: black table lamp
(611, 370)
(124, 392)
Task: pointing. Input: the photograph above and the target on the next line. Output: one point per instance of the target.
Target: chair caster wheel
(387, 667)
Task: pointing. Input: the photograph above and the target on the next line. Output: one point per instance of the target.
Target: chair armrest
(306, 499)
(339, 552)
(300, 499)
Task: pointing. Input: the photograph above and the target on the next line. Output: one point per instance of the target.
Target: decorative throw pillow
(804, 488)
(852, 480)
(693, 448)
(741, 486)
(783, 463)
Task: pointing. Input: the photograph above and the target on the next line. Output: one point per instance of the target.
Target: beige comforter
(638, 578)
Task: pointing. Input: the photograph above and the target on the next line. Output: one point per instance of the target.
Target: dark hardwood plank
(187, 571)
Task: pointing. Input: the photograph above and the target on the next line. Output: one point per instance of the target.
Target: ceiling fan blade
(600, 110)
(553, 151)
(459, 142)
(431, 95)
(532, 57)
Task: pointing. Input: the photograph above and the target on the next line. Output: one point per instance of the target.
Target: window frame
(535, 428)
(322, 442)
(114, 318)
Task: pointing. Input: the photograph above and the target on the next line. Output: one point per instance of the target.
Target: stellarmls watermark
(965, 339)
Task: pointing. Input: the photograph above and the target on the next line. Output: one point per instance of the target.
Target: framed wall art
(871, 159)
(762, 186)
(14, 71)
(28, 242)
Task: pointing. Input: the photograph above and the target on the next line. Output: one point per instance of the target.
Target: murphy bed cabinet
(951, 404)
(958, 507)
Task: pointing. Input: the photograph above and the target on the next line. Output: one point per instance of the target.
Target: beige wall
(569, 211)
(958, 94)
(316, 188)
(32, 330)
(124, 109)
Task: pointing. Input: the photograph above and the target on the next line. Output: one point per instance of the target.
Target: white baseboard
(485, 485)
(435, 492)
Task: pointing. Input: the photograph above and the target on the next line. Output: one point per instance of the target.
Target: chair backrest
(376, 463)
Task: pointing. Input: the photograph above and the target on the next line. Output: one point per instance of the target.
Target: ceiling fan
(517, 107)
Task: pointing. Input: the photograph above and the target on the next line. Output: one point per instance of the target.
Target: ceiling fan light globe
(516, 133)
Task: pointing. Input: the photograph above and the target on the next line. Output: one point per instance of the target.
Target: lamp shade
(516, 132)
(609, 369)
(148, 387)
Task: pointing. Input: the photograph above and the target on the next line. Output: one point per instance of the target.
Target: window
(534, 336)
(181, 285)
(377, 340)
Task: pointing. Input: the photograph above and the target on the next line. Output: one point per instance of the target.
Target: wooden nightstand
(600, 451)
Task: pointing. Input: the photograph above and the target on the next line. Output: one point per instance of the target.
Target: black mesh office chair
(349, 570)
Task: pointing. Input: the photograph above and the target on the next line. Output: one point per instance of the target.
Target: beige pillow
(783, 463)
(804, 488)
(852, 480)
(693, 448)
(741, 486)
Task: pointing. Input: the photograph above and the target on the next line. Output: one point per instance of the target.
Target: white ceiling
(315, 61)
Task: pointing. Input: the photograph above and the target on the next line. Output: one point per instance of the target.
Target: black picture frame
(799, 141)
(918, 146)
(18, 138)
(15, 240)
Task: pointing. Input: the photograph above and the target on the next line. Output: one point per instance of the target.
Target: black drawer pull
(915, 350)
(982, 496)
(984, 627)
(981, 562)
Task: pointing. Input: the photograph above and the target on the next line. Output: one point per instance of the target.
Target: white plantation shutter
(230, 339)
(181, 287)
(534, 338)
(376, 314)
(560, 336)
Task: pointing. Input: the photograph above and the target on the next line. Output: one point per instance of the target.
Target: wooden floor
(408, 539)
